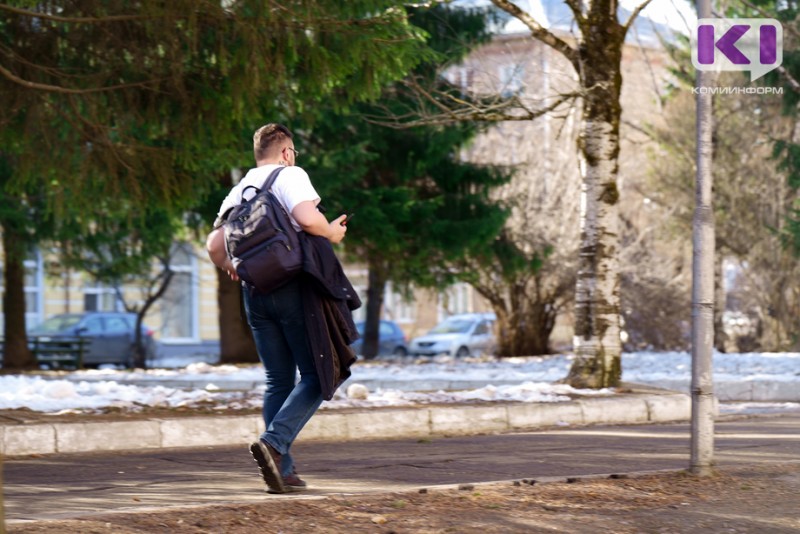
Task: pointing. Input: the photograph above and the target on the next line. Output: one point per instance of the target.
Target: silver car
(459, 336)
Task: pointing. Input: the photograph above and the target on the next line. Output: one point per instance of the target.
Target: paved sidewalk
(84, 485)
(640, 405)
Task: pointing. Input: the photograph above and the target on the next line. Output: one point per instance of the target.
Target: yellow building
(187, 313)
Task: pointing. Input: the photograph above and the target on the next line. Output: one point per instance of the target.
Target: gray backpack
(260, 240)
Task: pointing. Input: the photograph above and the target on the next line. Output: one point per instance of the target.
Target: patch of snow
(533, 380)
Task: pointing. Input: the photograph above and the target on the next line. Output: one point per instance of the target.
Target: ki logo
(754, 45)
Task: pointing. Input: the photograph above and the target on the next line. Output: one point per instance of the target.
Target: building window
(396, 308)
(466, 78)
(100, 298)
(34, 289)
(462, 77)
(361, 313)
(456, 299)
(512, 80)
(179, 303)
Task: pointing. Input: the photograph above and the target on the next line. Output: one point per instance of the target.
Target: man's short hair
(268, 139)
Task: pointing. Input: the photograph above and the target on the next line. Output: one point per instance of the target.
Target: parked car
(111, 335)
(391, 339)
(459, 336)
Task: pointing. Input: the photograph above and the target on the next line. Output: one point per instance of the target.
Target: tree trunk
(526, 313)
(236, 343)
(16, 354)
(140, 354)
(2, 504)
(526, 332)
(597, 342)
(375, 291)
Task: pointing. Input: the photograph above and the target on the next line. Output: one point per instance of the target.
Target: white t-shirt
(291, 187)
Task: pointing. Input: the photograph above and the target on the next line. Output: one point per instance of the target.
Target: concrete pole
(702, 442)
(2, 509)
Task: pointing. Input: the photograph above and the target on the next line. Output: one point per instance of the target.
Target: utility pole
(2, 508)
(702, 442)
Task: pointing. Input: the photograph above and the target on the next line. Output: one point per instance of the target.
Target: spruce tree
(418, 206)
(151, 102)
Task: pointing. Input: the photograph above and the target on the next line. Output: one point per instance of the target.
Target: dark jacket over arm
(328, 298)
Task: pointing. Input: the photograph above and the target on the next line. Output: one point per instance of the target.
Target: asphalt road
(63, 486)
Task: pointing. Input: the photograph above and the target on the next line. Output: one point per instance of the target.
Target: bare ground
(762, 499)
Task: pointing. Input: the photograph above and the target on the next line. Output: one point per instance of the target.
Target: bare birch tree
(586, 66)
(594, 53)
(596, 56)
(543, 197)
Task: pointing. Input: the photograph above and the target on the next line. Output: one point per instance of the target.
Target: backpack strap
(270, 180)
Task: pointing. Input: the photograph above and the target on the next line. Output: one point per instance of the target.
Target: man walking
(280, 320)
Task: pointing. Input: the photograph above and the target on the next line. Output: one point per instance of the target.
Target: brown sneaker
(268, 460)
(294, 483)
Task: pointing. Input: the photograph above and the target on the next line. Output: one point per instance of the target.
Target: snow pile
(525, 392)
(57, 396)
(197, 371)
(533, 380)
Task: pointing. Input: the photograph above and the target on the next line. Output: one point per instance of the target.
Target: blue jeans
(279, 329)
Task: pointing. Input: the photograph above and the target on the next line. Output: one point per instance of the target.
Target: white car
(460, 336)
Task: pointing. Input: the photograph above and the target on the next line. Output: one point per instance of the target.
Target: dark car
(111, 335)
(392, 340)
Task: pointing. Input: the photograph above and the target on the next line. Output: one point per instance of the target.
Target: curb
(419, 422)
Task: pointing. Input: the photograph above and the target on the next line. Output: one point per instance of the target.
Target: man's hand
(337, 229)
(215, 245)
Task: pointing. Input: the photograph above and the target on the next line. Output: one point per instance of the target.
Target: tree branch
(633, 16)
(789, 78)
(165, 277)
(67, 90)
(640, 129)
(653, 77)
(75, 20)
(576, 6)
(761, 12)
(120, 295)
(539, 32)
(511, 110)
